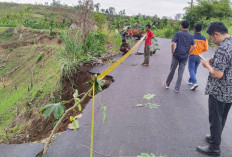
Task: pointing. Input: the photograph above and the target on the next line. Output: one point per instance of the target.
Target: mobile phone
(202, 57)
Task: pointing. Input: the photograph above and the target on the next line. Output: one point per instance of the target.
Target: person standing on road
(194, 58)
(219, 86)
(185, 45)
(148, 42)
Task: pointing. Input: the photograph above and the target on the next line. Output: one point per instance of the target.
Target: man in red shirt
(148, 41)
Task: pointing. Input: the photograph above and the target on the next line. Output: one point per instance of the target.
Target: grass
(40, 58)
(7, 34)
(38, 66)
(12, 15)
(45, 78)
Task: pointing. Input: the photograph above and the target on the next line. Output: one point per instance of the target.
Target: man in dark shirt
(219, 86)
(124, 47)
(185, 44)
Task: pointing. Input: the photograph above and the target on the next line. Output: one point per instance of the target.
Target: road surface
(173, 130)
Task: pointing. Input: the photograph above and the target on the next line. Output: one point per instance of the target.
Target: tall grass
(95, 43)
(72, 54)
(76, 53)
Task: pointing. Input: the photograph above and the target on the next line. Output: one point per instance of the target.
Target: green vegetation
(33, 16)
(33, 62)
(203, 12)
(58, 109)
(206, 10)
(26, 84)
(147, 155)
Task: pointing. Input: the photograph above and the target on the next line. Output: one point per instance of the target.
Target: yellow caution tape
(118, 62)
(101, 76)
(92, 127)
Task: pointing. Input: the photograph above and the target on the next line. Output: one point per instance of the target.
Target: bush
(205, 10)
(95, 43)
(99, 18)
(73, 54)
(169, 32)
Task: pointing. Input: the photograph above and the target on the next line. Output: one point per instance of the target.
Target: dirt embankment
(36, 128)
(26, 37)
(40, 128)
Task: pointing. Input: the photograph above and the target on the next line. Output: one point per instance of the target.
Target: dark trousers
(146, 54)
(181, 68)
(218, 112)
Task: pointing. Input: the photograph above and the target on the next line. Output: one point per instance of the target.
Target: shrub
(169, 32)
(95, 43)
(99, 18)
(73, 54)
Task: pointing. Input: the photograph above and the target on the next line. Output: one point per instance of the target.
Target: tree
(55, 3)
(111, 10)
(99, 18)
(85, 15)
(122, 12)
(103, 11)
(80, 5)
(178, 17)
(97, 7)
(206, 9)
(107, 11)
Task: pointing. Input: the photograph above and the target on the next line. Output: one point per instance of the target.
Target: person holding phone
(194, 58)
(219, 86)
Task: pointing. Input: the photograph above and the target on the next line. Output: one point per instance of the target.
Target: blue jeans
(193, 64)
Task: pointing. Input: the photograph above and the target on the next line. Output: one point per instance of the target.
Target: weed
(15, 129)
(10, 49)
(40, 58)
(169, 32)
(95, 43)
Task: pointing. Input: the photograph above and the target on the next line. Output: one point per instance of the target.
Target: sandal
(165, 85)
(145, 64)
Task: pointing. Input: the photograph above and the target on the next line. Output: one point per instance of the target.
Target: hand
(206, 63)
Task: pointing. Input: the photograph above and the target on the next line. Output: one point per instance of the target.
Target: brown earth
(40, 128)
(26, 37)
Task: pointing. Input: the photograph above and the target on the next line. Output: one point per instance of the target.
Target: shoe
(208, 139)
(208, 151)
(194, 87)
(176, 90)
(190, 83)
(145, 64)
(165, 85)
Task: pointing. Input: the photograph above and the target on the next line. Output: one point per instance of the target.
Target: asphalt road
(173, 130)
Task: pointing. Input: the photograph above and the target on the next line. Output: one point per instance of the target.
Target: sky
(161, 8)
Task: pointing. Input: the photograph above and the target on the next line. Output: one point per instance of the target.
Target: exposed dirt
(27, 37)
(43, 40)
(41, 128)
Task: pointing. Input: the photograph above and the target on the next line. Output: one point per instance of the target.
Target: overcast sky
(148, 7)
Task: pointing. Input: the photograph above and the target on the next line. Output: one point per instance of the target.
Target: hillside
(35, 16)
(29, 75)
(41, 64)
